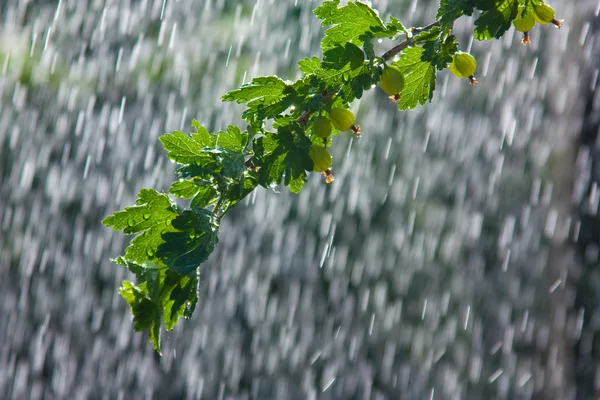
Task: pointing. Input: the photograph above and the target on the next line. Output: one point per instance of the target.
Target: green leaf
(151, 218)
(361, 81)
(283, 155)
(241, 189)
(315, 103)
(184, 189)
(202, 191)
(350, 22)
(439, 52)
(450, 10)
(178, 297)
(296, 184)
(146, 313)
(343, 69)
(250, 183)
(430, 35)
(159, 295)
(223, 154)
(233, 164)
(368, 47)
(395, 26)
(267, 96)
(207, 195)
(310, 65)
(334, 78)
(202, 136)
(348, 57)
(264, 87)
(184, 149)
(419, 78)
(193, 149)
(144, 272)
(195, 171)
(233, 139)
(190, 243)
(496, 18)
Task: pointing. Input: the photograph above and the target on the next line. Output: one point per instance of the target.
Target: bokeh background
(454, 257)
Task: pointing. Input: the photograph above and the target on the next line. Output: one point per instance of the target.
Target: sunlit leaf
(496, 18)
(150, 218)
(419, 78)
(350, 22)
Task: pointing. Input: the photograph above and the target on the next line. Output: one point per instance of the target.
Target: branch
(303, 119)
(404, 44)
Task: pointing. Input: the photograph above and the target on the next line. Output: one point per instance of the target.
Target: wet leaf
(350, 22)
(151, 218)
(419, 78)
(283, 155)
(450, 10)
(496, 18)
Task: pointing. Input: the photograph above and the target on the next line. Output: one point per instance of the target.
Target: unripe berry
(322, 127)
(524, 21)
(463, 66)
(320, 157)
(392, 80)
(341, 119)
(544, 14)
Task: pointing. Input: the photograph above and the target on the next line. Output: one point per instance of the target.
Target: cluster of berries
(529, 14)
(338, 118)
(391, 82)
(463, 66)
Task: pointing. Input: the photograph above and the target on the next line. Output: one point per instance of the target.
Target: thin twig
(402, 45)
(303, 119)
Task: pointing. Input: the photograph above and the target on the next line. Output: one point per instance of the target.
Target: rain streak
(455, 256)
